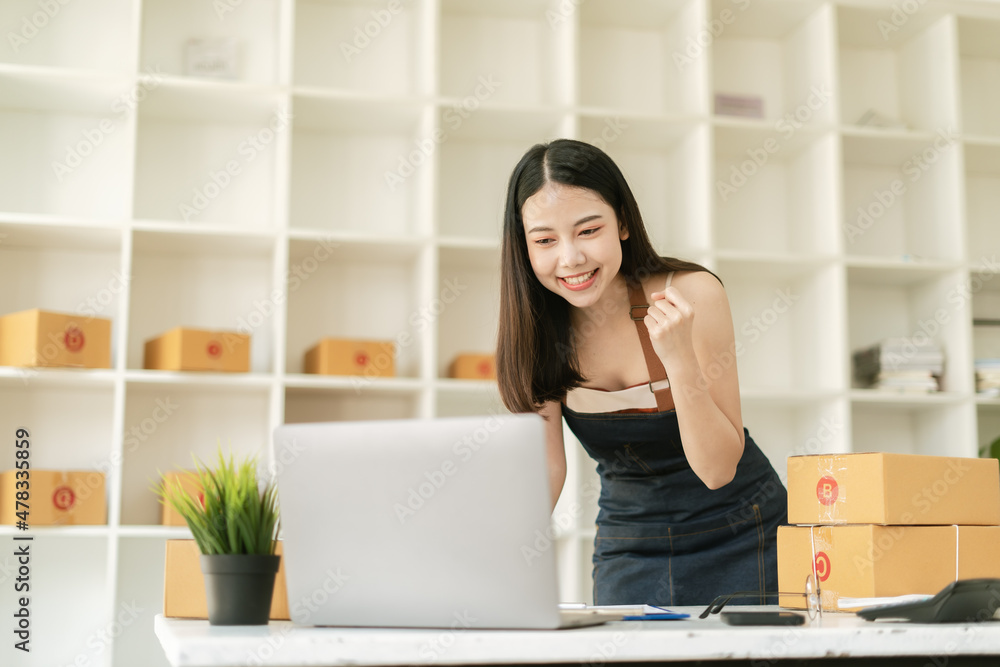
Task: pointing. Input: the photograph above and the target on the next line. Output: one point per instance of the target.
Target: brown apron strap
(653, 364)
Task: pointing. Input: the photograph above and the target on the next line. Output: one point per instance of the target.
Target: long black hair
(536, 360)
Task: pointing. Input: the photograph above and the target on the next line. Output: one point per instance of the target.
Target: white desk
(190, 643)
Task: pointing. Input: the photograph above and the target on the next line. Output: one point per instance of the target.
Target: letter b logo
(827, 490)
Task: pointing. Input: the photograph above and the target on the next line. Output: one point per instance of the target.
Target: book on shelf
(988, 377)
(900, 364)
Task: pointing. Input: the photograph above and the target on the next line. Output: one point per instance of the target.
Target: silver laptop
(419, 523)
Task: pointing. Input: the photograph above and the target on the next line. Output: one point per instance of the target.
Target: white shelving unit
(350, 182)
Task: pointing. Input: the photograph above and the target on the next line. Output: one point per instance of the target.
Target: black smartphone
(762, 618)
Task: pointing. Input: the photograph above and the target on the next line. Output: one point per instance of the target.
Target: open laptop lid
(417, 523)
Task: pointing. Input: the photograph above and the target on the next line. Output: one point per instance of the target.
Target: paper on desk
(624, 610)
(858, 603)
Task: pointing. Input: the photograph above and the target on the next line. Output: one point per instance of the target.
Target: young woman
(637, 353)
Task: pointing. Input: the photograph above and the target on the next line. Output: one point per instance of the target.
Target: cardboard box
(56, 498)
(184, 584)
(41, 338)
(168, 515)
(473, 367)
(184, 349)
(344, 356)
(893, 489)
(876, 561)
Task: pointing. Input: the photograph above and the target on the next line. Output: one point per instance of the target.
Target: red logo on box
(361, 358)
(73, 339)
(214, 349)
(827, 490)
(485, 368)
(822, 565)
(63, 498)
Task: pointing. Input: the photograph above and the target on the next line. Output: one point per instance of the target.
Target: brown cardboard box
(344, 356)
(473, 367)
(893, 489)
(184, 584)
(43, 338)
(168, 515)
(57, 497)
(877, 561)
(184, 349)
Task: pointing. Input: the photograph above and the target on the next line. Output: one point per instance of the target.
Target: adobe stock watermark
(299, 272)
(101, 640)
(224, 7)
(454, 116)
(562, 13)
(220, 179)
(419, 320)
(914, 169)
(300, 612)
(436, 478)
(365, 34)
(439, 644)
(33, 24)
(94, 305)
(786, 127)
(565, 519)
(900, 16)
(92, 138)
(696, 45)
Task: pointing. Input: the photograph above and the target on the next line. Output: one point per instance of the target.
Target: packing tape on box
(829, 489)
(815, 573)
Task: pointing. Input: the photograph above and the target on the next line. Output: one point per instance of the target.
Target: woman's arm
(692, 333)
(555, 449)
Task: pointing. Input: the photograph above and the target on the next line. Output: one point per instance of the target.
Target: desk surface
(190, 643)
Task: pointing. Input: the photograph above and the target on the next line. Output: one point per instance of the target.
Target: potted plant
(234, 521)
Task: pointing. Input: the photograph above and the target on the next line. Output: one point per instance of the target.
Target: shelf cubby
(71, 427)
(808, 425)
(664, 164)
(63, 268)
(897, 193)
(503, 53)
(360, 166)
(979, 62)
(904, 73)
(207, 155)
(205, 281)
(983, 286)
(67, 149)
(916, 304)
(988, 422)
(781, 52)
(385, 301)
(982, 200)
(615, 38)
(468, 398)
(775, 191)
(775, 307)
(928, 427)
(168, 25)
(72, 628)
(139, 600)
(362, 46)
(357, 402)
(87, 37)
(477, 155)
(466, 305)
(165, 425)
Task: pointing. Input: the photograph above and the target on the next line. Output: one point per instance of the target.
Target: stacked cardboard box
(883, 525)
(55, 498)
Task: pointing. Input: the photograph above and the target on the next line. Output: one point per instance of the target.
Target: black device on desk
(762, 618)
(962, 601)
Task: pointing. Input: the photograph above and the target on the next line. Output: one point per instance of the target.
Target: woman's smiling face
(574, 242)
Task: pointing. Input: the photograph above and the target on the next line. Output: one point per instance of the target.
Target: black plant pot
(239, 587)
